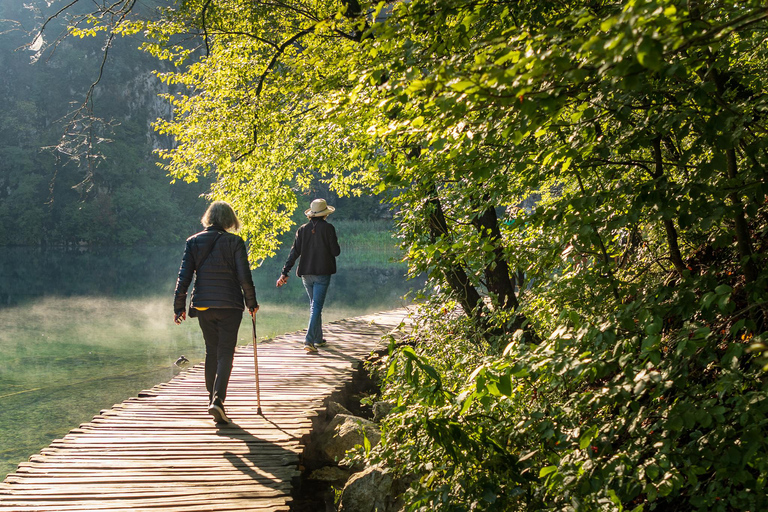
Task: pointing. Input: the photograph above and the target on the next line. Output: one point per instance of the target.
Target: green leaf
(655, 326)
(723, 289)
(489, 496)
(675, 422)
(650, 342)
(666, 487)
(649, 53)
(607, 24)
(391, 369)
(704, 418)
(505, 384)
(409, 353)
(429, 370)
(547, 470)
(467, 403)
(731, 357)
(586, 438)
(462, 85)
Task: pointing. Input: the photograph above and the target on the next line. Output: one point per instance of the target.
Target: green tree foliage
(597, 348)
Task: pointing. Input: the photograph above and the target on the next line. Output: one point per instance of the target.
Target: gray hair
(220, 213)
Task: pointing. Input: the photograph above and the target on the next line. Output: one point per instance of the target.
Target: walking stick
(256, 367)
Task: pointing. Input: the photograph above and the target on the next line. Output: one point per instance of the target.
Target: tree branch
(205, 31)
(278, 53)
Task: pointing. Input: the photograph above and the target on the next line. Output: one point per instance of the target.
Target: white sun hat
(319, 208)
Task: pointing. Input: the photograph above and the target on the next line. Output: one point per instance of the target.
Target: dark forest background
(120, 197)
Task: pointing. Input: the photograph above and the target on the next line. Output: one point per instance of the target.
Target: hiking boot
(217, 411)
(310, 348)
(321, 344)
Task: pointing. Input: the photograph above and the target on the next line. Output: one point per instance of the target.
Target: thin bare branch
(205, 31)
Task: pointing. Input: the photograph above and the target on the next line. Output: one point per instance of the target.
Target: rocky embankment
(327, 477)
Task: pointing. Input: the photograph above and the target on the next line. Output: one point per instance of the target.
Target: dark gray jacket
(316, 247)
(224, 278)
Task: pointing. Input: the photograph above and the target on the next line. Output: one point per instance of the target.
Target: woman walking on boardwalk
(219, 260)
(316, 247)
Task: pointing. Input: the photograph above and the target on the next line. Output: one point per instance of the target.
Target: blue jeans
(317, 287)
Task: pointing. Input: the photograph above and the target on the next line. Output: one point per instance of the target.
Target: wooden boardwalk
(162, 450)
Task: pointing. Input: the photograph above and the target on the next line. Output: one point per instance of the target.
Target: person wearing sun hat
(316, 247)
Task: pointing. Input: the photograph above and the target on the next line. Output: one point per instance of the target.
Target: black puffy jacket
(224, 278)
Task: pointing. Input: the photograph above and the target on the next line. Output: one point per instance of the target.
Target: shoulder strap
(208, 251)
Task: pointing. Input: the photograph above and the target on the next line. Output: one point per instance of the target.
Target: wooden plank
(150, 468)
(139, 487)
(213, 501)
(160, 450)
(204, 478)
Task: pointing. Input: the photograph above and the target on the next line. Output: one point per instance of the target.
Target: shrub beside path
(162, 450)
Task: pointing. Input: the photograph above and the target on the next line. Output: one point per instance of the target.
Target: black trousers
(219, 328)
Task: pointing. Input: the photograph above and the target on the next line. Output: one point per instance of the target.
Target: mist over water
(83, 330)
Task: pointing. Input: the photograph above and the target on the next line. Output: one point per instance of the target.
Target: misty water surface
(81, 330)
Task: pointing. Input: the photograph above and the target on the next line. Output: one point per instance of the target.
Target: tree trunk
(497, 275)
(497, 271)
(454, 273)
(743, 241)
(669, 226)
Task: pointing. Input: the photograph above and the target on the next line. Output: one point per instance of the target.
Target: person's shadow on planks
(266, 460)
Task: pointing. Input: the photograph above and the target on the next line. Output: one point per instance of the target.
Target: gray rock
(381, 409)
(330, 474)
(368, 491)
(343, 433)
(335, 408)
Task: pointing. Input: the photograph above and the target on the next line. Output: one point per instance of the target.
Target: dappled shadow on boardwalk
(267, 463)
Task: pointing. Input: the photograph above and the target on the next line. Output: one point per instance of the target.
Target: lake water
(81, 330)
